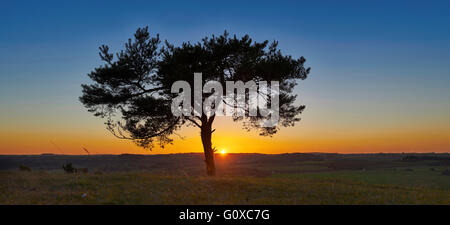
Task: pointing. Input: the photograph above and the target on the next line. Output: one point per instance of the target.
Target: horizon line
(243, 153)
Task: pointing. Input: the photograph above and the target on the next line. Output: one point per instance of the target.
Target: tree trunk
(207, 148)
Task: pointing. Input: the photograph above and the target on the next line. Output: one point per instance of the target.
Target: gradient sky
(379, 80)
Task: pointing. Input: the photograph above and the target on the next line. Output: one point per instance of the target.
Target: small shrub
(24, 168)
(69, 168)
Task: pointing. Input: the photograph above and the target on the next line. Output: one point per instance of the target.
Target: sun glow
(223, 152)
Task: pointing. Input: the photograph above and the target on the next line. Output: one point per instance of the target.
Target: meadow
(242, 179)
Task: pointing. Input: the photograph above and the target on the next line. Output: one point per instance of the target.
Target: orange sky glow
(306, 137)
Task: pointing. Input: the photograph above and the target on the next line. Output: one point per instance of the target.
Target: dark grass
(242, 179)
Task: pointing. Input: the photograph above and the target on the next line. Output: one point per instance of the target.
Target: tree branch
(194, 122)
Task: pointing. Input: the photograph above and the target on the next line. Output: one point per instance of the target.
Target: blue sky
(382, 61)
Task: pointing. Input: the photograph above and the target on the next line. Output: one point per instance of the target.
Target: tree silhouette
(132, 90)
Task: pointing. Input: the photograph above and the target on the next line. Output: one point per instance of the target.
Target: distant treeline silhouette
(414, 158)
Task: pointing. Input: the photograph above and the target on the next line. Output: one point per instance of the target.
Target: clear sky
(379, 79)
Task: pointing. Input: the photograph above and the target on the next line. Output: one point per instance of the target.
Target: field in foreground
(141, 188)
(278, 179)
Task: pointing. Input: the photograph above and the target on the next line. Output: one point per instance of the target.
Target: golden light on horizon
(223, 152)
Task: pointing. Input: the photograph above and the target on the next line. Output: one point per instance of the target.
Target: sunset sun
(223, 152)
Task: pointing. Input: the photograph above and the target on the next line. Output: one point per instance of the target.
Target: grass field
(328, 181)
